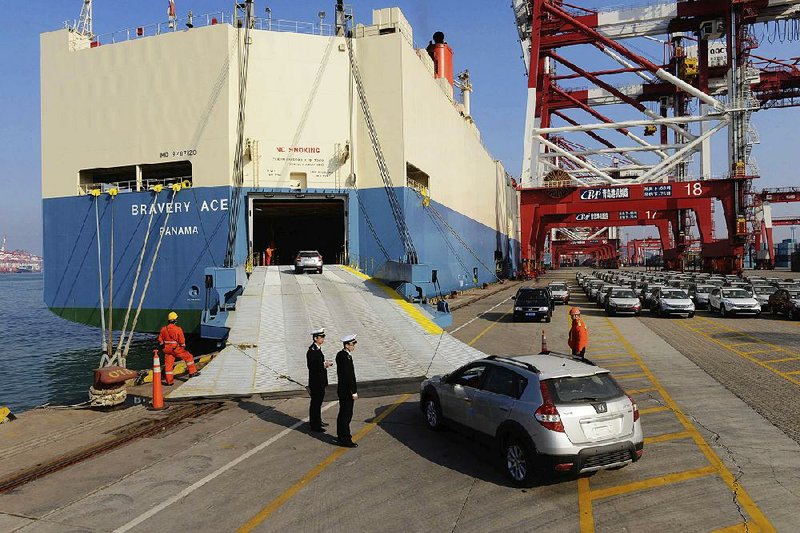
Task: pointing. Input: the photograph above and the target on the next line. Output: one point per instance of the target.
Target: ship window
(165, 173)
(298, 180)
(416, 178)
(122, 176)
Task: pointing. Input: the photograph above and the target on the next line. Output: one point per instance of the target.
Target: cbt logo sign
(605, 193)
(580, 217)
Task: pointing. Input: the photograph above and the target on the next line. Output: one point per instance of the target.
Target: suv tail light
(635, 408)
(547, 414)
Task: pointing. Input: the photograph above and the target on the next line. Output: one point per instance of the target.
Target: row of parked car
(672, 293)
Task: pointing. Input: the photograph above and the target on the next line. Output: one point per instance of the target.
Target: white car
(733, 301)
(671, 301)
(623, 300)
(560, 292)
(308, 260)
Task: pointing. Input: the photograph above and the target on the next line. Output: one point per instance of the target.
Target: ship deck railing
(209, 19)
(132, 185)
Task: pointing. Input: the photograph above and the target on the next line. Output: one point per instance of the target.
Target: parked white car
(733, 301)
(622, 300)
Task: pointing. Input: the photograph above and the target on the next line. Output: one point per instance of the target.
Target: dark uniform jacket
(317, 374)
(347, 375)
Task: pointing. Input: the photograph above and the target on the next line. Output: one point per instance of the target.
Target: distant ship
(183, 141)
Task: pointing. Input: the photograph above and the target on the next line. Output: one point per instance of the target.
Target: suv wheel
(518, 460)
(547, 318)
(433, 413)
(722, 311)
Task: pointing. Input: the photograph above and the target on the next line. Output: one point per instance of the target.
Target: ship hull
(194, 223)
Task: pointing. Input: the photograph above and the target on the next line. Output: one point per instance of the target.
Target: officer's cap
(319, 332)
(349, 338)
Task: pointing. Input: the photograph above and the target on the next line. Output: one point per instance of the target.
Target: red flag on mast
(171, 9)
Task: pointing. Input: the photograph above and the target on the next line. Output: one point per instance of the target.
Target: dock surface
(719, 408)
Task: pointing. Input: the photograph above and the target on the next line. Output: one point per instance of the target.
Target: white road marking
(480, 315)
(221, 470)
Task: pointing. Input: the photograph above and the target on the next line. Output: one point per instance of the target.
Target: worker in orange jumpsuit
(578, 334)
(174, 344)
(268, 254)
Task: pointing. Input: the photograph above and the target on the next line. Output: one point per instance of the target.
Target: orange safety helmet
(574, 311)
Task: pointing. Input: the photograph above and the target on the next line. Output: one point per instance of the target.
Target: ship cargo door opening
(290, 225)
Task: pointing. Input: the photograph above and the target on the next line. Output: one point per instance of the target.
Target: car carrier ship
(173, 155)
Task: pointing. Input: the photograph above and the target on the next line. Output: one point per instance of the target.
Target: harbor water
(45, 359)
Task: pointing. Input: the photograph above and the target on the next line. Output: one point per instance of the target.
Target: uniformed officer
(346, 390)
(317, 379)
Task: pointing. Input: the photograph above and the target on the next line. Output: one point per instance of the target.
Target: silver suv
(546, 413)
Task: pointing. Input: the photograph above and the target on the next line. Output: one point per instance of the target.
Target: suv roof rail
(513, 361)
(571, 357)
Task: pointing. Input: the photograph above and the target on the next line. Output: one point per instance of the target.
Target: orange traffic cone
(158, 396)
(544, 344)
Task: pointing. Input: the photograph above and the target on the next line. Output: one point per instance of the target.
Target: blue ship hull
(196, 237)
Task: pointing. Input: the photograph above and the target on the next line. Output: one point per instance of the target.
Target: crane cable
(96, 194)
(175, 188)
(156, 189)
(438, 217)
(238, 161)
(397, 210)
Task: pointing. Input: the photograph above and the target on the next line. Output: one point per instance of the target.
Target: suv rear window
(594, 388)
(504, 381)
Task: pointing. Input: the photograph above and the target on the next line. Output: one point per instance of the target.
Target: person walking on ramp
(317, 379)
(346, 390)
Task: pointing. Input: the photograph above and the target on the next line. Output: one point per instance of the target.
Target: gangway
(270, 333)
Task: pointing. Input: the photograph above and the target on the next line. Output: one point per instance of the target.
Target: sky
(482, 33)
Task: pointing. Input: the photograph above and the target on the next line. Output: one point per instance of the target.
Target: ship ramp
(271, 331)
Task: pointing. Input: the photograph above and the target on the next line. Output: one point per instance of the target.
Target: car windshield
(594, 388)
(703, 289)
(735, 293)
(533, 297)
(675, 295)
(764, 290)
(558, 287)
(622, 293)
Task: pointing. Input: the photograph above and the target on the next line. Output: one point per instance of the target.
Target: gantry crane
(658, 113)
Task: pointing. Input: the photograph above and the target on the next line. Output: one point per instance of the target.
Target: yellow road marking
(631, 376)
(276, 504)
(486, 329)
(747, 356)
(607, 356)
(744, 527)
(620, 365)
(733, 484)
(641, 391)
(784, 360)
(585, 505)
(659, 481)
(649, 410)
(667, 437)
(793, 373)
(754, 352)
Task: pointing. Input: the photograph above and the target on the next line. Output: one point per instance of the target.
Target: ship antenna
(83, 25)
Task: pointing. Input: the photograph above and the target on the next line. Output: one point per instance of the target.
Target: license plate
(530, 314)
(601, 430)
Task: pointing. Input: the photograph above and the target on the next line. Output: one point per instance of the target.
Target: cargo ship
(174, 155)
